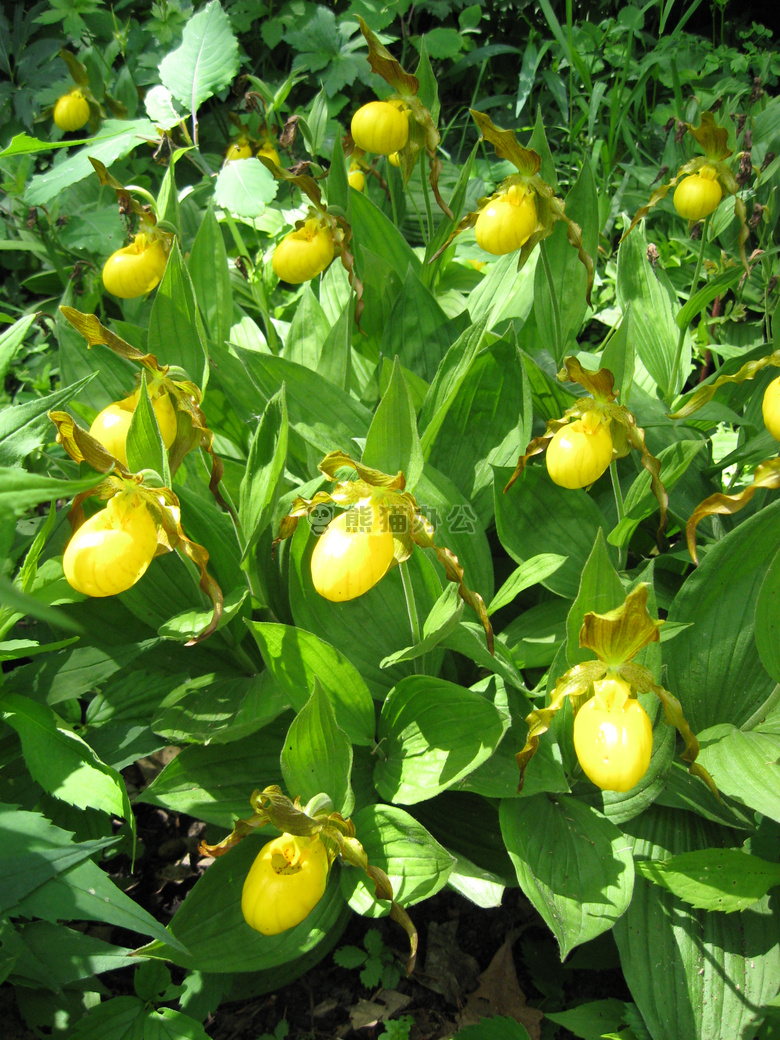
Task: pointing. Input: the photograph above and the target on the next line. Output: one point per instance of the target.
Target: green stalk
(411, 609)
(618, 503)
(257, 289)
(559, 346)
(694, 287)
(427, 197)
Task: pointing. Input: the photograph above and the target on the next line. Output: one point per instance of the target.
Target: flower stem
(427, 197)
(257, 287)
(556, 314)
(684, 329)
(618, 502)
(411, 609)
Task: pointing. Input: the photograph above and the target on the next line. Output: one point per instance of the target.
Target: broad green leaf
(640, 502)
(214, 783)
(308, 332)
(592, 1020)
(27, 426)
(714, 667)
(52, 955)
(175, 326)
(744, 765)
(60, 761)
(768, 620)
(10, 341)
(714, 879)
(718, 969)
(245, 187)
(375, 232)
(653, 328)
(536, 516)
(584, 885)
(20, 490)
(495, 1029)
(444, 618)
(34, 852)
(392, 443)
(217, 710)
(432, 733)
(121, 1018)
(206, 61)
(297, 658)
(262, 478)
(208, 268)
(530, 573)
(211, 926)
(449, 378)
(482, 427)
(419, 333)
(116, 139)
(457, 527)
(416, 864)
(317, 754)
(568, 272)
(505, 292)
(618, 357)
(145, 448)
(85, 893)
(322, 414)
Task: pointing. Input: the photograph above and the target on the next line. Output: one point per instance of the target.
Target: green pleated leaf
(568, 273)
(20, 490)
(324, 415)
(34, 851)
(10, 341)
(210, 274)
(653, 328)
(175, 327)
(205, 62)
(85, 893)
(297, 659)
(317, 754)
(419, 332)
(483, 426)
(718, 969)
(714, 667)
(530, 573)
(536, 516)
(714, 879)
(417, 865)
(61, 761)
(375, 232)
(744, 765)
(261, 482)
(218, 710)
(432, 733)
(145, 448)
(27, 426)
(571, 862)
(210, 925)
(768, 620)
(52, 956)
(444, 618)
(392, 443)
(640, 502)
(214, 783)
